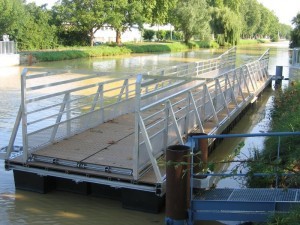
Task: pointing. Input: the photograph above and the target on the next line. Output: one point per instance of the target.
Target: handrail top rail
(269, 134)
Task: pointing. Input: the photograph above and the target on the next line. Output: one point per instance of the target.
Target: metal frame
(166, 114)
(8, 47)
(168, 104)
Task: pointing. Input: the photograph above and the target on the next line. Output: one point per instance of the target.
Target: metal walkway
(254, 205)
(244, 204)
(94, 128)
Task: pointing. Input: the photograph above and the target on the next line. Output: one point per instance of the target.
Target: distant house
(107, 34)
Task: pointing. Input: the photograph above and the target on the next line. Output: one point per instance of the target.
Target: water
(20, 207)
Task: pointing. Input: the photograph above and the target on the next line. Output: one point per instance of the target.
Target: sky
(285, 10)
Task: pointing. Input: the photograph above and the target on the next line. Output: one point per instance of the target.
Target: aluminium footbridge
(108, 136)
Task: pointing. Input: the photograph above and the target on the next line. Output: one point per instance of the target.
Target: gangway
(243, 204)
(93, 130)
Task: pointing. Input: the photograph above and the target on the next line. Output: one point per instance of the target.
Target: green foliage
(176, 35)
(148, 34)
(226, 24)
(290, 218)
(295, 34)
(287, 109)
(161, 35)
(42, 35)
(192, 18)
(97, 51)
(285, 31)
(160, 47)
(158, 11)
(86, 16)
(123, 14)
(252, 17)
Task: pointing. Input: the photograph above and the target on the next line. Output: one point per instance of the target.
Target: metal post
(177, 184)
(137, 127)
(24, 116)
(278, 75)
(200, 157)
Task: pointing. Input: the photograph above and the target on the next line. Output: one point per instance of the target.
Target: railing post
(166, 126)
(137, 126)
(24, 116)
(68, 109)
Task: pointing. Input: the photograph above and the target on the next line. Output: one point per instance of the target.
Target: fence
(8, 47)
(166, 114)
(296, 57)
(57, 105)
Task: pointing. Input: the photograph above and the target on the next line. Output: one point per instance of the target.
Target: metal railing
(8, 47)
(296, 57)
(165, 115)
(55, 106)
(58, 105)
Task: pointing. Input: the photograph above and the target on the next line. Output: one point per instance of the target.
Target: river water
(59, 208)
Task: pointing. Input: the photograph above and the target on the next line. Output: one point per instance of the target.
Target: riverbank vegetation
(75, 23)
(285, 118)
(295, 34)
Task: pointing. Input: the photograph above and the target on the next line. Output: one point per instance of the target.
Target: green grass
(80, 52)
(252, 41)
(285, 118)
(148, 47)
(65, 53)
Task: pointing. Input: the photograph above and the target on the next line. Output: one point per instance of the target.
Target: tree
(123, 14)
(285, 31)
(12, 17)
(295, 34)
(158, 11)
(148, 34)
(251, 13)
(42, 35)
(226, 25)
(192, 18)
(86, 16)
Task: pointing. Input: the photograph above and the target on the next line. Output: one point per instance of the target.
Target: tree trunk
(118, 37)
(91, 38)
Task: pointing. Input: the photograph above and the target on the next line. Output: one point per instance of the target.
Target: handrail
(196, 99)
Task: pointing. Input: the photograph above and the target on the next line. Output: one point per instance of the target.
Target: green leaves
(191, 17)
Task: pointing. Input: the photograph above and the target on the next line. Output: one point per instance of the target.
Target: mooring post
(278, 75)
(177, 184)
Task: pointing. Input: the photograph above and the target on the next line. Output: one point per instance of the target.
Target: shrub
(148, 35)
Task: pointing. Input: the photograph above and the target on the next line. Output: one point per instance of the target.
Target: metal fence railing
(296, 57)
(7, 47)
(58, 105)
(165, 115)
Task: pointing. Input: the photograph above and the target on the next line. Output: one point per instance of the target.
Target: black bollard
(177, 184)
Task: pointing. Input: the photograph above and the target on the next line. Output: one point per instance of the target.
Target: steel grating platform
(251, 195)
(251, 204)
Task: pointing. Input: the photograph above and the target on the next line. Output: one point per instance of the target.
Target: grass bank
(65, 53)
(252, 41)
(285, 117)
